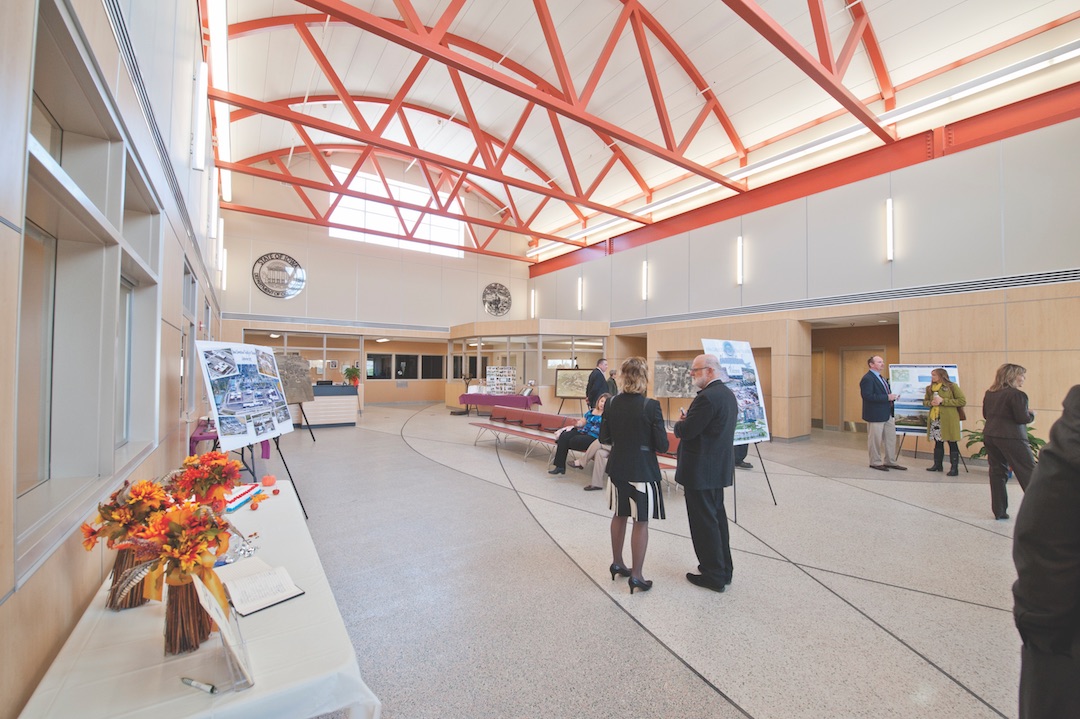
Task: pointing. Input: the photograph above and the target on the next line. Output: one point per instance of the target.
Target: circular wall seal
(278, 275)
(496, 299)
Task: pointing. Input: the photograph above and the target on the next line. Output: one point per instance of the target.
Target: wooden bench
(536, 428)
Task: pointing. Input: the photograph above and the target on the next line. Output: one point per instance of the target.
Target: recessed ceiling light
(883, 322)
(273, 336)
(383, 339)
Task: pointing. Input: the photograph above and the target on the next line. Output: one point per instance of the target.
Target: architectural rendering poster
(737, 360)
(910, 381)
(672, 379)
(571, 383)
(245, 388)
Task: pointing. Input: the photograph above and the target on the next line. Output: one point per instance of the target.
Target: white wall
(1002, 209)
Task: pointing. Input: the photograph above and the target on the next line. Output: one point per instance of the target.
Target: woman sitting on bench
(580, 436)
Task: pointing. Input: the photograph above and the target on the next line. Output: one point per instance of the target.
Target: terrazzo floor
(473, 584)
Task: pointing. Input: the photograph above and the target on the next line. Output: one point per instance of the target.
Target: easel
(563, 399)
(900, 446)
(735, 493)
(309, 429)
(254, 474)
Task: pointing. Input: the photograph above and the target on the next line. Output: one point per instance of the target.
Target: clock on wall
(278, 275)
(496, 299)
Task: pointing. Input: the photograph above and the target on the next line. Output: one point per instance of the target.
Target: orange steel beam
(368, 138)
(551, 37)
(873, 53)
(335, 188)
(422, 45)
(272, 214)
(778, 37)
(1020, 117)
(821, 35)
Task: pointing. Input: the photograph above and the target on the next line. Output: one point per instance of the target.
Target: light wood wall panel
(972, 328)
(1050, 324)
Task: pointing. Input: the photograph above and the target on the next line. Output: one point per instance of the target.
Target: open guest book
(253, 585)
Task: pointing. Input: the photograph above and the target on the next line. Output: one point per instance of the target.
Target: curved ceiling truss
(579, 168)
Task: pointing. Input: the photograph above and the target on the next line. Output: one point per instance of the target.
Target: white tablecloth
(303, 663)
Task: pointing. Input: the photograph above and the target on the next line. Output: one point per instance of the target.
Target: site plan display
(245, 391)
(910, 382)
(737, 361)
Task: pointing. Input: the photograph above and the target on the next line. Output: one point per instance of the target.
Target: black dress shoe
(558, 470)
(744, 465)
(1003, 516)
(896, 466)
(699, 581)
(726, 581)
(591, 488)
(880, 467)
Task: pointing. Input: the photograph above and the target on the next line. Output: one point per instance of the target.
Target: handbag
(960, 412)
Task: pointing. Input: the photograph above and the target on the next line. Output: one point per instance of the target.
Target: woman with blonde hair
(1005, 408)
(944, 398)
(634, 427)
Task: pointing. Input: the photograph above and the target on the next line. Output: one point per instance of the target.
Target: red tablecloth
(203, 433)
(506, 400)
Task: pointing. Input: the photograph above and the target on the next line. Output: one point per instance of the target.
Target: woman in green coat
(944, 398)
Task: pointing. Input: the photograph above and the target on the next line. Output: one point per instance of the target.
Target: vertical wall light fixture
(224, 270)
(644, 279)
(202, 113)
(532, 304)
(889, 246)
(580, 294)
(739, 260)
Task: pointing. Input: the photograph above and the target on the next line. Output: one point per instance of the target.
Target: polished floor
(474, 585)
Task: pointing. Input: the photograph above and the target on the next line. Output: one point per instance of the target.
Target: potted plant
(975, 436)
(352, 375)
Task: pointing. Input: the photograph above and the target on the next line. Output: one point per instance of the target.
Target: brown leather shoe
(896, 466)
(880, 467)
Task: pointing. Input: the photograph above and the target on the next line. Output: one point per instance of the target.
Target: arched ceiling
(576, 120)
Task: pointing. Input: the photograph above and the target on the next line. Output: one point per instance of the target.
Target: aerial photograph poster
(737, 361)
(245, 391)
(910, 382)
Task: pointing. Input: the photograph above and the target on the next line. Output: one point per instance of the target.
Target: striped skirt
(641, 500)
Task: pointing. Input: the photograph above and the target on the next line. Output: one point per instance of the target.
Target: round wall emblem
(496, 299)
(278, 275)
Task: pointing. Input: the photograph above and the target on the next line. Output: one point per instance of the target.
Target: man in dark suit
(707, 465)
(1046, 550)
(877, 411)
(597, 383)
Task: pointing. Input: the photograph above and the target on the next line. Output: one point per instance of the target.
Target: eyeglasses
(697, 369)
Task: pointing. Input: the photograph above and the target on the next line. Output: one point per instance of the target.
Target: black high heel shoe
(642, 584)
(618, 569)
(558, 470)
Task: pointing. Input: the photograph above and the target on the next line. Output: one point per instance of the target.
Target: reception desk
(301, 658)
(335, 405)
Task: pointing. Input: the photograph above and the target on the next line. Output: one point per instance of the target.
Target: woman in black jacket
(1005, 408)
(634, 427)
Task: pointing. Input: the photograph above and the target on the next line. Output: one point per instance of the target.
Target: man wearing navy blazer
(706, 465)
(877, 411)
(597, 383)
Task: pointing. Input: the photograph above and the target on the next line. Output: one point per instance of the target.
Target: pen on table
(208, 688)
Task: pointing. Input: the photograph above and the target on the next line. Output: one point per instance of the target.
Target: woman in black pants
(1005, 408)
(579, 437)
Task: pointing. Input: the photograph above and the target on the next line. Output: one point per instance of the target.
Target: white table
(303, 663)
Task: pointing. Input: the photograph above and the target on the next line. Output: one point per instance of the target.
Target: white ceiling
(494, 79)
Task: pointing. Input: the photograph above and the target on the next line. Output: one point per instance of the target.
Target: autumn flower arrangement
(208, 478)
(121, 521)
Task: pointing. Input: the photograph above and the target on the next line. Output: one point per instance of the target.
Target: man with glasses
(877, 411)
(706, 465)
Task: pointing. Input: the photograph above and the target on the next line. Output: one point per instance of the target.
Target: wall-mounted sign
(496, 299)
(278, 275)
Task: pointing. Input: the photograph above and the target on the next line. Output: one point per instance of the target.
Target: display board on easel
(910, 382)
(247, 398)
(737, 360)
(571, 383)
